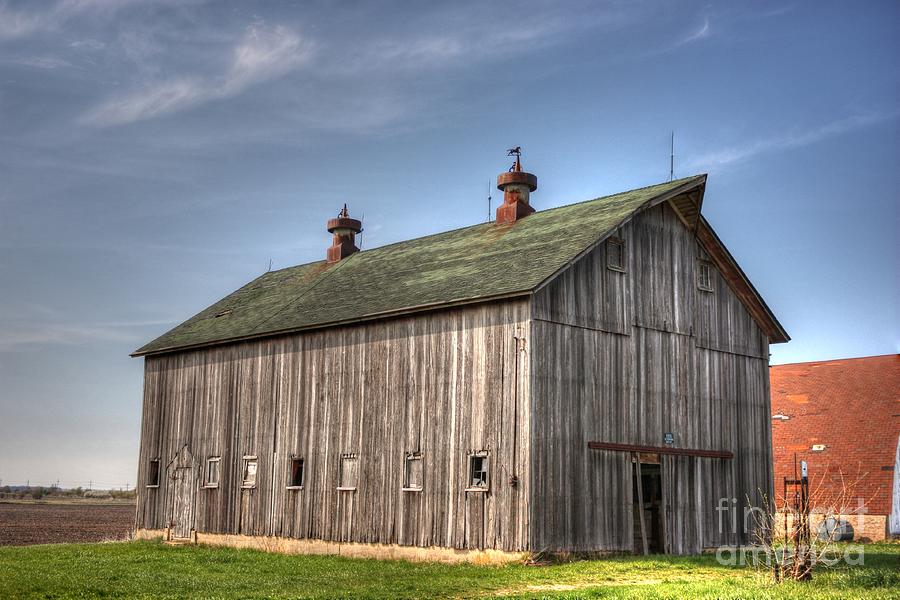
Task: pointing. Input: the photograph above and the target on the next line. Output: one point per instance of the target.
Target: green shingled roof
(470, 264)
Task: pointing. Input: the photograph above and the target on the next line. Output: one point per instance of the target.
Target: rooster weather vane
(517, 152)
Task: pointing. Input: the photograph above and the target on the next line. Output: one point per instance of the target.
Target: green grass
(155, 570)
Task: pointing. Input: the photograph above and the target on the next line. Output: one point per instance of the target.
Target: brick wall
(852, 408)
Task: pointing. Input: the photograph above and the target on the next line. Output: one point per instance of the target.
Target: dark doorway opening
(651, 495)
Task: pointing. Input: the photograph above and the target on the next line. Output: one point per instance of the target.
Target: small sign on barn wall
(670, 438)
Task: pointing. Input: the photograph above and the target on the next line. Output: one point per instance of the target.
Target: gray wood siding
(661, 270)
(607, 308)
(597, 381)
(444, 383)
(722, 322)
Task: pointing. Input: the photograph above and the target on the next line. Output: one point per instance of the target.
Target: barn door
(183, 484)
(681, 494)
(183, 503)
(670, 504)
(647, 505)
(246, 518)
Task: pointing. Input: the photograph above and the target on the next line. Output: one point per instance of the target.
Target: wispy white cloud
(742, 152)
(416, 53)
(20, 23)
(768, 14)
(174, 61)
(464, 43)
(695, 34)
(702, 32)
(15, 337)
(34, 325)
(90, 44)
(14, 24)
(263, 54)
(38, 62)
(162, 98)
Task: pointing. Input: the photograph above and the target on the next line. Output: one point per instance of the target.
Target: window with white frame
(248, 479)
(615, 254)
(212, 471)
(413, 476)
(153, 473)
(349, 473)
(704, 276)
(295, 481)
(479, 476)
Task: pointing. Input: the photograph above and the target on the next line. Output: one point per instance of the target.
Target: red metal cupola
(516, 186)
(344, 229)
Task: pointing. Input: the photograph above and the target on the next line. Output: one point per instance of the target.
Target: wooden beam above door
(616, 447)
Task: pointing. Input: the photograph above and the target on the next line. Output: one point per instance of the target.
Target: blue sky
(156, 155)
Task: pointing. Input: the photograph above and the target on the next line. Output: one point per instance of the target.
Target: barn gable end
(627, 356)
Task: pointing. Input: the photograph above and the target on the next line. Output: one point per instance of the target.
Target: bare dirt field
(23, 523)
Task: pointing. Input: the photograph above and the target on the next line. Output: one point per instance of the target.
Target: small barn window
(249, 472)
(153, 473)
(615, 254)
(413, 477)
(704, 276)
(349, 472)
(478, 472)
(212, 472)
(296, 476)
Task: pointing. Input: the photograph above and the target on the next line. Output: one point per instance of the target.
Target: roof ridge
(640, 189)
(464, 227)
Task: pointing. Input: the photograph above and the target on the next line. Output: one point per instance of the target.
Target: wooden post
(640, 491)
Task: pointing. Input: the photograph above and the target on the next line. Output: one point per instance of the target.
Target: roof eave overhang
(366, 318)
(688, 204)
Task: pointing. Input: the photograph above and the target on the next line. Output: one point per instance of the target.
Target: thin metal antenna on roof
(489, 201)
(672, 159)
(361, 231)
(270, 266)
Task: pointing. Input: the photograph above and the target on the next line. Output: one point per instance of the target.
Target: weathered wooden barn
(592, 377)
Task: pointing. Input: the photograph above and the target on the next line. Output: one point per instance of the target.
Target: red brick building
(843, 418)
